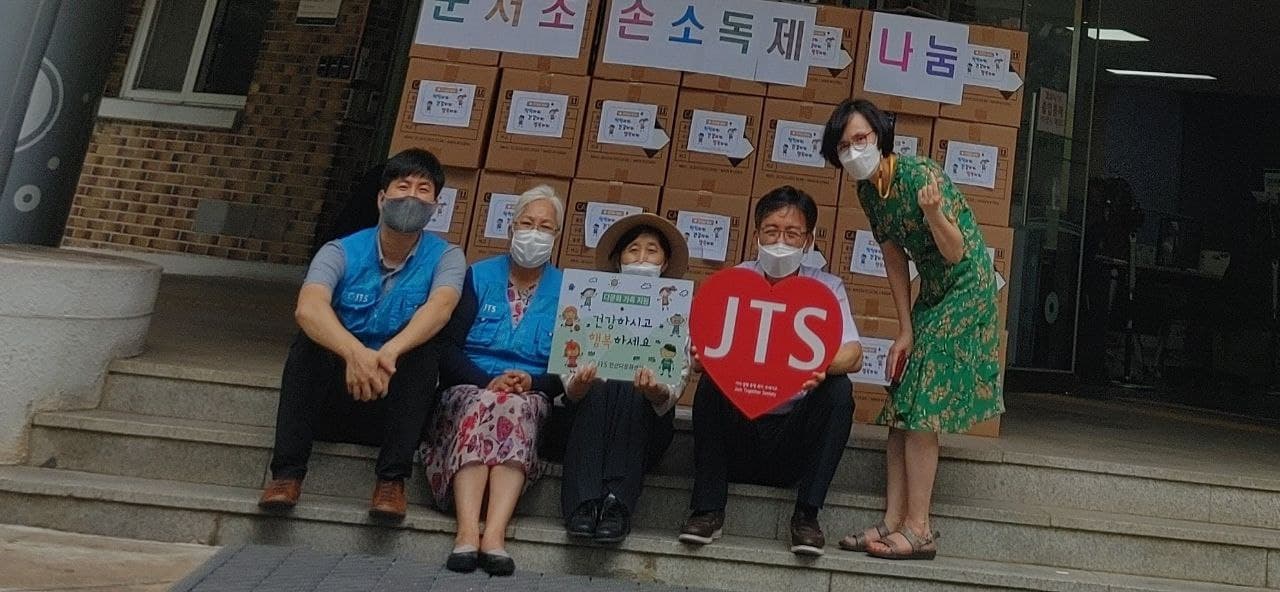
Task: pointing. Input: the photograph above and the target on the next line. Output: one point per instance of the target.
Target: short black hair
(881, 124)
(634, 233)
(414, 162)
(787, 197)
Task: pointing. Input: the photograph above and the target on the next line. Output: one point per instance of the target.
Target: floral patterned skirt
(473, 425)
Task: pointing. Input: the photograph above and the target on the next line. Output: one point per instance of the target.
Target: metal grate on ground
(259, 568)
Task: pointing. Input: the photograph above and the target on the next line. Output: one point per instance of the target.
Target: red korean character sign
(760, 342)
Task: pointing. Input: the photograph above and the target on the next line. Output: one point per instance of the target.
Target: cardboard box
(912, 135)
(989, 105)
(628, 163)
(721, 116)
(452, 219)
(723, 84)
(826, 84)
(790, 145)
(884, 102)
(496, 196)
(453, 55)
(579, 66)
(455, 136)
(711, 222)
(877, 335)
(542, 135)
(1000, 241)
(592, 207)
(982, 143)
(869, 295)
(823, 233)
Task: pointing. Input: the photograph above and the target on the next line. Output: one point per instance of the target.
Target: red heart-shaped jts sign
(760, 342)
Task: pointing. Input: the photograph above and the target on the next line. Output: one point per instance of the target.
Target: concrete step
(109, 442)
(971, 468)
(174, 511)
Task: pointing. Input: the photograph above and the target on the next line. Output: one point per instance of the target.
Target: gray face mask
(406, 214)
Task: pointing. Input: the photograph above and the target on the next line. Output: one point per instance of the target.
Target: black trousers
(607, 442)
(315, 405)
(801, 448)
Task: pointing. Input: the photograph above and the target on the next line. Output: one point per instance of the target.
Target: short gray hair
(539, 193)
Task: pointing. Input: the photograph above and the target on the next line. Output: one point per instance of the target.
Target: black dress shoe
(464, 562)
(497, 565)
(582, 524)
(615, 522)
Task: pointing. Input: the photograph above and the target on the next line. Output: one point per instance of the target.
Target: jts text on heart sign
(760, 342)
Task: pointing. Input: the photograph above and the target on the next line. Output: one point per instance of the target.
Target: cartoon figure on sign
(668, 364)
(570, 316)
(587, 295)
(520, 121)
(676, 322)
(665, 296)
(716, 231)
(571, 353)
(612, 130)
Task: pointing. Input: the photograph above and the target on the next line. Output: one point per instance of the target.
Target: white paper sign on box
(972, 164)
(444, 103)
(631, 124)
(537, 114)
(875, 361)
(443, 216)
(600, 216)
(707, 234)
(798, 143)
(712, 132)
(502, 210)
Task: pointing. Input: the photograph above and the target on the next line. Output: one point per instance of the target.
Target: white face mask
(642, 268)
(780, 260)
(861, 164)
(531, 248)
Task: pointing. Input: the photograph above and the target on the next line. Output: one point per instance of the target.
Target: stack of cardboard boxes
(504, 123)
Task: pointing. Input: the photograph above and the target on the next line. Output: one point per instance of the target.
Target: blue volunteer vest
(493, 343)
(374, 317)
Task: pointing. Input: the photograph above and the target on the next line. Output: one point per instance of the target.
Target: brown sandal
(917, 550)
(858, 542)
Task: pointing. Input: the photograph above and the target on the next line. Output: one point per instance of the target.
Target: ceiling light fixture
(1161, 74)
(1112, 35)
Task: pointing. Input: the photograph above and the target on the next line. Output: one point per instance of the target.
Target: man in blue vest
(364, 367)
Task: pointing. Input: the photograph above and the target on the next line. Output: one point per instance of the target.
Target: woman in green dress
(952, 376)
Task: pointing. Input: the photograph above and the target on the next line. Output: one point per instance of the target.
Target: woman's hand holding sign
(646, 383)
(581, 382)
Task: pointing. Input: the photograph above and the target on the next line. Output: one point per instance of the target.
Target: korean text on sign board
(747, 39)
(540, 27)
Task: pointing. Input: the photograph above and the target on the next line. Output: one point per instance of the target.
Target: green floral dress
(953, 377)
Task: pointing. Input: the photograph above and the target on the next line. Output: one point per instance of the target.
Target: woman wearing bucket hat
(616, 430)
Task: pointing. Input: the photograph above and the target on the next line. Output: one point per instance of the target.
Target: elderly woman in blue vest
(364, 366)
(498, 392)
(618, 429)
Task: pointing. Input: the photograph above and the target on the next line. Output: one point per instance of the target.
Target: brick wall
(141, 183)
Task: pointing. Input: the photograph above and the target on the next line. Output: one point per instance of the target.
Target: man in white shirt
(801, 442)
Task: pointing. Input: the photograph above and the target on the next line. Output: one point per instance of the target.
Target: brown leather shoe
(281, 494)
(388, 500)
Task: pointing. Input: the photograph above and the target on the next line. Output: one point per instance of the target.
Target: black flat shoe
(615, 522)
(582, 524)
(497, 565)
(464, 562)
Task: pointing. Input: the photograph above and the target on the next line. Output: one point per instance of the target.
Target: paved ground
(255, 568)
(36, 559)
